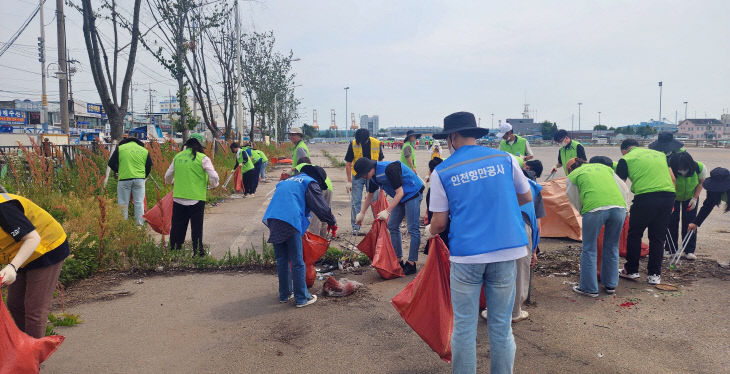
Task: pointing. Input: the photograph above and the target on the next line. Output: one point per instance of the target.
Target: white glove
(427, 233)
(8, 274)
(358, 218)
(692, 203)
(348, 187)
(383, 215)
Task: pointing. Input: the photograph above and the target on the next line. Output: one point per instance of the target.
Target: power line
(23, 70)
(21, 29)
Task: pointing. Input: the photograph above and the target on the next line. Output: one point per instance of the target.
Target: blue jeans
(411, 209)
(263, 170)
(286, 252)
(498, 280)
(358, 185)
(135, 187)
(613, 219)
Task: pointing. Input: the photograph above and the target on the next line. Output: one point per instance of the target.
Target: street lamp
(347, 130)
(660, 101)
(492, 121)
(599, 118)
(579, 105)
(685, 110)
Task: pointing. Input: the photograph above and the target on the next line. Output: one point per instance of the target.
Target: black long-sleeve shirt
(713, 199)
(280, 231)
(581, 152)
(114, 159)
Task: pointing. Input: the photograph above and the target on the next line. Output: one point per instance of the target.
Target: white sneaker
(667, 254)
(484, 314)
(690, 256)
(523, 316)
(654, 279)
(291, 297)
(623, 274)
(311, 301)
(252, 195)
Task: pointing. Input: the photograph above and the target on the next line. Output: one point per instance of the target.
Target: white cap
(503, 129)
(296, 130)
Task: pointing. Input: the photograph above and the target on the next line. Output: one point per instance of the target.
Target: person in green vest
(667, 144)
(653, 185)
(296, 136)
(514, 144)
(601, 198)
(245, 159)
(690, 175)
(132, 163)
(264, 162)
(316, 225)
(568, 149)
(408, 152)
(190, 173)
(717, 187)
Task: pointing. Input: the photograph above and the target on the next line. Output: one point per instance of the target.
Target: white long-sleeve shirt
(207, 166)
(574, 195)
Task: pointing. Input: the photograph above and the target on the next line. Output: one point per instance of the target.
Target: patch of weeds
(50, 331)
(65, 319)
(337, 163)
(363, 259)
(332, 256)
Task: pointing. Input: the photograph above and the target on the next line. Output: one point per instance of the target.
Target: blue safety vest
(288, 203)
(529, 210)
(485, 215)
(411, 183)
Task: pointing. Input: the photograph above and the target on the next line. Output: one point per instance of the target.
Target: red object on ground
(284, 175)
(621, 245)
(380, 204)
(238, 180)
(425, 303)
(21, 353)
(339, 288)
(313, 248)
(284, 161)
(160, 216)
(379, 248)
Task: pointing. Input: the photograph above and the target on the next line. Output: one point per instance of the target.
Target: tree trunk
(183, 106)
(116, 123)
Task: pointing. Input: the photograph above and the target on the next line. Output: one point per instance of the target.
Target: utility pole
(492, 121)
(660, 101)
(347, 130)
(599, 118)
(579, 105)
(276, 121)
(685, 110)
(70, 71)
(62, 79)
(42, 60)
(239, 102)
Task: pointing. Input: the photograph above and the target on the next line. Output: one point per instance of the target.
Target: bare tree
(223, 41)
(105, 76)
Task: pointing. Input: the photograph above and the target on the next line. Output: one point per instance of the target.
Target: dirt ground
(223, 322)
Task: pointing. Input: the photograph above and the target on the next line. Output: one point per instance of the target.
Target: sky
(414, 62)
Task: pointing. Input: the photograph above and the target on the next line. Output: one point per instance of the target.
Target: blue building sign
(12, 117)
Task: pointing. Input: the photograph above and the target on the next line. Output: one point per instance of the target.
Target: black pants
(181, 215)
(251, 178)
(653, 211)
(687, 217)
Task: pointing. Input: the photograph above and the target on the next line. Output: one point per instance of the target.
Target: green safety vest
(648, 171)
(327, 180)
(567, 153)
(294, 158)
(245, 166)
(520, 161)
(132, 161)
(255, 155)
(413, 154)
(518, 148)
(615, 164)
(686, 184)
(261, 155)
(597, 187)
(191, 181)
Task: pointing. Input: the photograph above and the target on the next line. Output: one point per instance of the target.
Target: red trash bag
(21, 353)
(380, 204)
(284, 175)
(160, 216)
(425, 303)
(621, 245)
(238, 180)
(313, 248)
(379, 248)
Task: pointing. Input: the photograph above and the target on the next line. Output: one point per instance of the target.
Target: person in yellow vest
(601, 198)
(408, 151)
(690, 175)
(33, 247)
(316, 225)
(653, 185)
(296, 136)
(132, 163)
(362, 146)
(190, 173)
(513, 144)
(568, 149)
(436, 151)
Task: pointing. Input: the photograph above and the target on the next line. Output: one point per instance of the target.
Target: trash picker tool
(552, 174)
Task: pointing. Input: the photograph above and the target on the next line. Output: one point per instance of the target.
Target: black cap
(719, 180)
(462, 122)
(364, 165)
(560, 135)
(317, 173)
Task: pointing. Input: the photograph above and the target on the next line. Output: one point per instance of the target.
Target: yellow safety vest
(51, 232)
(357, 151)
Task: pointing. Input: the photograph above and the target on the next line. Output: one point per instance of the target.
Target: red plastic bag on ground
(425, 303)
(19, 352)
(338, 288)
(284, 175)
(313, 248)
(238, 180)
(379, 248)
(380, 204)
(621, 245)
(160, 216)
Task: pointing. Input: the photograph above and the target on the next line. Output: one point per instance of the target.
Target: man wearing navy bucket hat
(481, 190)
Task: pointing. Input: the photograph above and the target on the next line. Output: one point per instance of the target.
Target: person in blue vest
(480, 190)
(406, 189)
(287, 218)
(132, 163)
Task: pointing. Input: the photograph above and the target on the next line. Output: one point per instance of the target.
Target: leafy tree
(548, 130)
(645, 131)
(600, 128)
(626, 130)
(309, 131)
